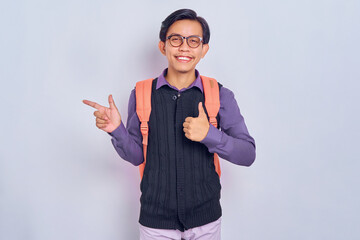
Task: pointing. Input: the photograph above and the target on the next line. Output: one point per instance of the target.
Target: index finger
(92, 104)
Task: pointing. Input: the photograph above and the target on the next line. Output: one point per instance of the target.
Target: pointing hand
(197, 128)
(107, 118)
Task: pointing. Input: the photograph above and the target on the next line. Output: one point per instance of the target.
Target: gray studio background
(293, 66)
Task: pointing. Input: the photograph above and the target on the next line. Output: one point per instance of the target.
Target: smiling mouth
(183, 58)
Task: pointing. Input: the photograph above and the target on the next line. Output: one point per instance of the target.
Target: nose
(184, 47)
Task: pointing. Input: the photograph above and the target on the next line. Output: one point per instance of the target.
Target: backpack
(143, 109)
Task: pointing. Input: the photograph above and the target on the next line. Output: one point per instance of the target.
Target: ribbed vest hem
(208, 216)
(197, 219)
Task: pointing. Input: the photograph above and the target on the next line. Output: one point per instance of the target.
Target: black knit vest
(180, 188)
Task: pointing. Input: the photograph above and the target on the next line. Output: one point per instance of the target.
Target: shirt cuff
(213, 138)
(118, 132)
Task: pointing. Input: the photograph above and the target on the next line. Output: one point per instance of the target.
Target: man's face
(183, 59)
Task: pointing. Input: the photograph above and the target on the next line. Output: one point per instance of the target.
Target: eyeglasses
(177, 40)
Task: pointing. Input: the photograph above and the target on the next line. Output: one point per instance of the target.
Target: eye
(175, 38)
(194, 40)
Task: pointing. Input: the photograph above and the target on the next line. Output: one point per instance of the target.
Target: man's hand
(107, 119)
(196, 129)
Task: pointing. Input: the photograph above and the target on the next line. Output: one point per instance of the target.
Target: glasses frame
(187, 40)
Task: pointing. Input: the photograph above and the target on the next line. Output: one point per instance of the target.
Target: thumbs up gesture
(107, 118)
(197, 128)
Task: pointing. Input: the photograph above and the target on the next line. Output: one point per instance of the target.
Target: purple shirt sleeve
(232, 142)
(128, 141)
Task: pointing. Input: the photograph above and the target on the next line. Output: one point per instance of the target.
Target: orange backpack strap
(143, 110)
(212, 104)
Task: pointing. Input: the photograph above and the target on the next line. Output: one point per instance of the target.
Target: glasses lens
(176, 41)
(194, 41)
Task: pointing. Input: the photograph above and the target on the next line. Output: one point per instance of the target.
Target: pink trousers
(210, 231)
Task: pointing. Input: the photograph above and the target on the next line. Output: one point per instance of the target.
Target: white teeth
(184, 58)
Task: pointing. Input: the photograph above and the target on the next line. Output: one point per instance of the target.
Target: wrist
(206, 131)
(213, 137)
(119, 130)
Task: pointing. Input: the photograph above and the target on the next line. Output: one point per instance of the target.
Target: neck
(180, 80)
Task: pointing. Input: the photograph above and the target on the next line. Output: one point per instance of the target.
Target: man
(180, 187)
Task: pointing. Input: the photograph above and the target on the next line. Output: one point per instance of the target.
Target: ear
(162, 47)
(205, 49)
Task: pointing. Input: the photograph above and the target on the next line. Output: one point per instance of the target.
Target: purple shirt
(232, 142)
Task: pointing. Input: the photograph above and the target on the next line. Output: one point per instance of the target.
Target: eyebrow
(177, 34)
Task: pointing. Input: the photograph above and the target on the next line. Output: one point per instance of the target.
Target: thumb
(111, 102)
(201, 110)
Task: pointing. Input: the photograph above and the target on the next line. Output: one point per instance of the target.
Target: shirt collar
(162, 81)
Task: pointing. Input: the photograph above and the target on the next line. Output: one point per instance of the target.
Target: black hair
(183, 14)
